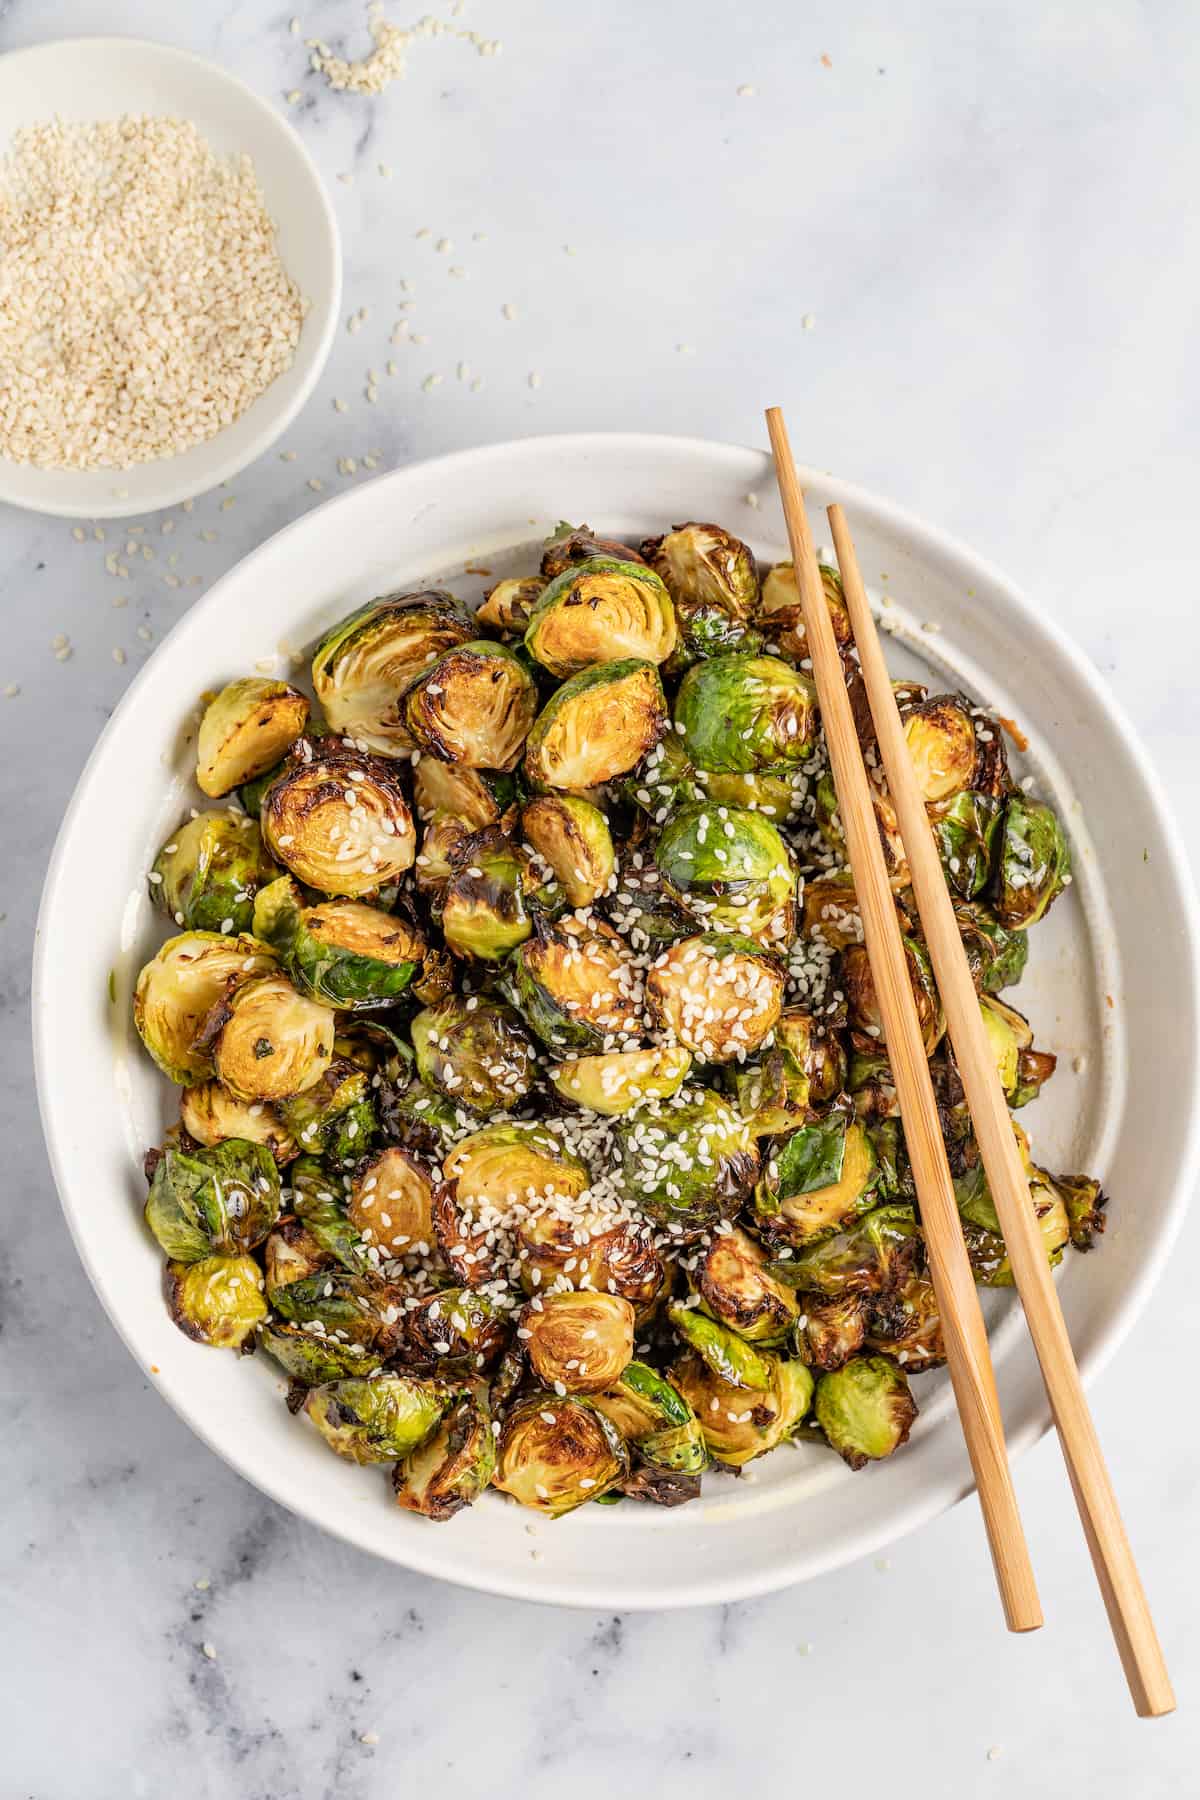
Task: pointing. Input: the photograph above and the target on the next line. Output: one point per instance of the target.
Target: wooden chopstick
(963, 1329)
(1124, 1599)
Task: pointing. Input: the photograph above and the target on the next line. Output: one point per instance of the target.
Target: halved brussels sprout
(475, 797)
(555, 1453)
(338, 1303)
(442, 851)
(313, 1360)
(780, 612)
(453, 1467)
(887, 823)
(217, 1301)
(573, 544)
(1008, 1034)
(687, 1161)
(456, 1329)
(981, 1225)
(589, 1252)
(731, 869)
(741, 1423)
(363, 668)
(245, 731)
(378, 1420)
(705, 566)
(476, 1053)
(1084, 1200)
(177, 990)
(597, 725)
(210, 1115)
(719, 996)
(874, 1253)
(483, 911)
(829, 1332)
(905, 1324)
(738, 1363)
(338, 819)
(655, 1418)
(744, 713)
(966, 829)
(864, 1007)
(615, 1083)
(831, 911)
(865, 1409)
(207, 874)
(645, 913)
(1033, 862)
(318, 1202)
(350, 955)
(940, 734)
(572, 837)
(335, 1117)
(775, 796)
(996, 953)
(601, 611)
(292, 1254)
(577, 1342)
(474, 706)
(220, 1201)
(577, 987)
(507, 606)
(506, 1165)
(816, 1182)
(268, 1042)
(732, 1280)
(391, 1202)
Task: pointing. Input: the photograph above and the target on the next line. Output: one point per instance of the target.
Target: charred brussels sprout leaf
(940, 734)
(343, 952)
(572, 838)
(573, 544)
(615, 1083)
(474, 706)
(864, 1006)
(334, 1118)
(312, 1360)
(865, 1409)
(997, 954)
(555, 1453)
(211, 1115)
(363, 668)
(456, 1329)
(876, 1251)
(578, 1341)
(732, 1281)
(597, 725)
(206, 876)
(741, 714)
(575, 986)
(177, 990)
(507, 606)
(377, 1420)
(737, 1362)
(334, 1302)
(484, 915)
(479, 1056)
(734, 873)
(601, 611)
(741, 1423)
(781, 615)
(965, 830)
(706, 569)
(220, 1201)
(245, 731)
(817, 1181)
(687, 1161)
(1033, 862)
(453, 1467)
(268, 1041)
(1084, 1200)
(475, 797)
(905, 1323)
(216, 1301)
(338, 820)
(981, 1226)
(318, 1204)
(829, 1332)
(718, 996)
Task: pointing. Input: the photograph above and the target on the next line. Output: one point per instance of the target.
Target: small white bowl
(84, 79)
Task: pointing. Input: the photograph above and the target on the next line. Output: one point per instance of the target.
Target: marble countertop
(960, 244)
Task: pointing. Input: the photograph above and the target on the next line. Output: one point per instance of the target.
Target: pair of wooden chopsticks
(963, 1329)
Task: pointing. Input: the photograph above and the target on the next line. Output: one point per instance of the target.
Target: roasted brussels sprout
(363, 668)
(268, 1042)
(865, 1409)
(216, 1301)
(816, 1182)
(312, 1360)
(505, 1165)
(206, 876)
(318, 1203)
(872, 1254)
(572, 544)
(474, 797)
(615, 1083)
(965, 830)
(732, 1281)
(507, 606)
(292, 1254)
(887, 824)
(335, 1117)
(352, 1308)
(443, 851)
(1033, 862)
(597, 725)
(1084, 1200)
(555, 1452)
(981, 1226)
(378, 1420)
(338, 820)
(940, 734)
(741, 1423)
(730, 869)
(719, 996)
(655, 1418)
(687, 1161)
(210, 1115)
(455, 1330)
(705, 566)
(737, 1362)
(905, 1323)
(391, 1202)
(572, 838)
(829, 1332)
(577, 1342)
(831, 911)
(475, 1052)
(997, 954)
(245, 731)
(741, 714)
(347, 954)
(780, 612)
(484, 915)
(864, 1007)
(220, 1201)
(474, 706)
(576, 987)
(589, 1251)
(177, 990)
(453, 1467)
(601, 611)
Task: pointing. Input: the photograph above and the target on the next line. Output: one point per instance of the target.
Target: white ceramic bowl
(81, 79)
(1101, 985)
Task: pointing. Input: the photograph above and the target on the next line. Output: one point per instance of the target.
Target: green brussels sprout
(206, 876)
(905, 1324)
(575, 986)
(245, 731)
(507, 606)
(572, 544)
(705, 567)
(483, 912)
(741, 714)
(596, 726)
(940, 734)
(453, 1467)
(829, 1332)
(578, 1342)
(997, 954)
(1033, 862)
(872, 1254)
(600, 611)
(216, 1301)
(475, 797)
(687, 1161)
(291, 1253)
(775, 795)
(717, 995)
(731, 869)
(311, 1360)
(656, 1419)
(318, 1204)
(363, 668)
(772, 1095)
(829, 824)
(343, 952)
(338, 1303)
(335, 1117)
(268, 1042)
(737, 1362)
(1008, 1034)
(476, 1053)
(645, 913)
(732, 1281)
(615, 1083)
(871, 1086)
(390, 1202)
(981, 1225)
(220, 1201)
(865, 1409)
(572, 837)
(338, 820)
(780, 612)
(177, 990)
(473, 706)
(381, 1419)
(662, 780)
(966, 829)
(555, 1453)
(457, 1330)
(1084, 1200)
(210, 1115)
(859, 984)
(417, 1117)
(741, 1423)
(505, 1164)
(817, 1182)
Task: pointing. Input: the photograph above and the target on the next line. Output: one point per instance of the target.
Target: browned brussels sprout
(654, 1417)
(475, 797)
(507, 606)
(996, 954)
(343, 952)
(596, 726)
(474, 706)
(864, 1007)
(1085, 1201)
(456, 1329)
(705, 566)
(177, 990)
(887, 823)
(556, 1452)
(572, 838)
(339, 1303)
(484, 915)
(380, 1419)
(363, 668)
(601, 611)
(965, 830)
(831, 911)
(981, 1225)
(245, 731)
(211, 1115)
(1033, 862)
(829, 1332)
(443, 851)
(312, 1360)
(731, 870)
(572, 544)
(476, 1053)
(219, 1202)
(737, 1362)
(615, 1083)
(206, 876)
(292, 1253)
(732, 1280)
(576, 987)
(719, 996)
(453, 1467)
(741, 1423)
(338, 819)
(940, 734)
(216, 1301)
(865, 1409)
(391, 1202)
(906, 1324)
(873, 1254)
(578, 1342)
(781, 615)
(688, 1161)
(741, 714)
(267, 1041)
(816, 1182)
(504, 1165)
(593, 1253)
(335, 1117)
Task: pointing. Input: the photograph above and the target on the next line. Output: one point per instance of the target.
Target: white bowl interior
(1101, 991)
(82, 79)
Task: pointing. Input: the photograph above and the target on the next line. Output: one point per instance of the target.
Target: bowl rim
(273, 428)
(716, 1588)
